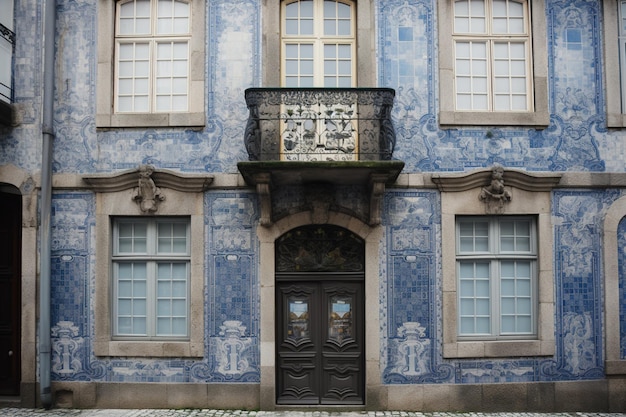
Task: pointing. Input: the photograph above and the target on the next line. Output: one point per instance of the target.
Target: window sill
(616, 120)
(159, 349)
(498, 349)
(456, 118)
(615, 367)
(150, 120)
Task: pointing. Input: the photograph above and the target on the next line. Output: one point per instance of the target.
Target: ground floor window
(496, 273)
(151, 270)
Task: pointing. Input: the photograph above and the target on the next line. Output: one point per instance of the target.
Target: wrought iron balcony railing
(7, 43)
(319, 124)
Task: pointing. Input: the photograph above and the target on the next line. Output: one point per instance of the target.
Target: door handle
(10, 353)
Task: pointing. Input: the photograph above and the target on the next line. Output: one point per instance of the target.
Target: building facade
(368, 204)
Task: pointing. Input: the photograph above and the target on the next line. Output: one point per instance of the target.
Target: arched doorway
(320, 320)
(10, 289)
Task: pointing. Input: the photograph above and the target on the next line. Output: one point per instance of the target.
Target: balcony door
(320, 327)
(318, 47)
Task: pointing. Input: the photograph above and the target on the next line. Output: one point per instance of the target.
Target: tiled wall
(411, 321)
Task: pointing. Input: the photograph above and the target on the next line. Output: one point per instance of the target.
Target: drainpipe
(46, 204)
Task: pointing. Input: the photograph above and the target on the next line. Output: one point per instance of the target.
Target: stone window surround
(614, 364)
(615, 117)
(106, 117)
(365, 43)
(449, 117)
(530, 195)
(116, 196)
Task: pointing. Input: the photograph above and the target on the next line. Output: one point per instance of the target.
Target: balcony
(7, 43)
(338, 136)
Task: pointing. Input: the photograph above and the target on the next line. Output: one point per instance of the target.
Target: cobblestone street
(23, 412)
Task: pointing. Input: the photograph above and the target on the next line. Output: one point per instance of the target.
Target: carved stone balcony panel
(316, 124)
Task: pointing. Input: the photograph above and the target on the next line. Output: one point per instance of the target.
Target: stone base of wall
(608, 395)
(155, 395)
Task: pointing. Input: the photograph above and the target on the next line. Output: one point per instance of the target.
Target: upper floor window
(152, 56)
(152, 59)
(490, 63)
(492, 55)
(615, 65)
(318, 44)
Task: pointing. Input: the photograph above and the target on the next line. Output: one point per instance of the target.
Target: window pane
(139, 326)
(461, 25)
(483, 325)
(306, 67)
(467, 307)
(482, 307)
(344, 28)
(466, 325)
(330, 67)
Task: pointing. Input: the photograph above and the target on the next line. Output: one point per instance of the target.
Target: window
(490, 63)
(151, 269)
(615, 57)
(496, 270)
(318, 44)
(492, 55)
(497, 266)
(151, 58)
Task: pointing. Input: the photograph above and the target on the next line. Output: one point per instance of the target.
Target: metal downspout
(46, 203)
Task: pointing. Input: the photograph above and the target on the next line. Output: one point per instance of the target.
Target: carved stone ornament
(495, 195)
(319, 200)
(147, 195)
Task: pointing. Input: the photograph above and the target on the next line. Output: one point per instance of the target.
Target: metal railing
(7, 43)
(319, 124)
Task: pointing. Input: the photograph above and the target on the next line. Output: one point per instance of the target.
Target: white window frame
(615, 64)
(537, 114)
(318, 40)
(495, 256)
(107, 85)
(151, 258)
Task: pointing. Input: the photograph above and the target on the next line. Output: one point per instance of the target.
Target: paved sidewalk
(25, 412)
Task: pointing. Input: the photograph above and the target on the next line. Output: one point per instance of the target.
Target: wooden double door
(320, 347)
(10, 298)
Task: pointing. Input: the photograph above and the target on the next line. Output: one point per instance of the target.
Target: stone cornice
(524, 180)
(108, 183)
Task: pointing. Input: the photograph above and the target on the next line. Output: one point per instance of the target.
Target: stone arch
(616, 213)
(267, 237)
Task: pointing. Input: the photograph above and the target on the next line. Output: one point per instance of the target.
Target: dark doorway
(320, 317)
(10, 289)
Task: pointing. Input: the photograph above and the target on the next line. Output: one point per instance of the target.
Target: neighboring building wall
(408, 261)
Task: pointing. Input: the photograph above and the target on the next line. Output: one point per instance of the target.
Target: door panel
(10, 298)
(320, 343)
(342, 352)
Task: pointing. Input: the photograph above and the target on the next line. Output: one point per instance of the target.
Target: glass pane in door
(340, 326)
(298, 321)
